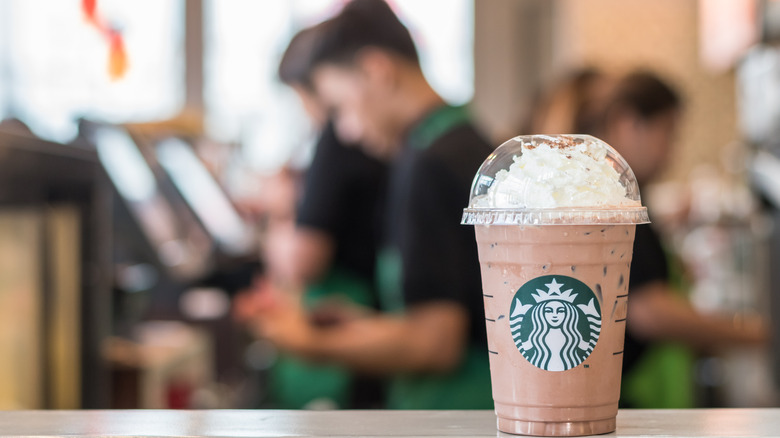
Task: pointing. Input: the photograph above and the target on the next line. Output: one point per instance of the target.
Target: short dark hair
(362, 24)
(644, 93)
(295, 66)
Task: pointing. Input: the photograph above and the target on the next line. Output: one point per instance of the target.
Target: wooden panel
(64, 340)
(21, 385)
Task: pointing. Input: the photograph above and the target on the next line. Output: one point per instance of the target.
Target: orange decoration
(89, 9)
(117, 57)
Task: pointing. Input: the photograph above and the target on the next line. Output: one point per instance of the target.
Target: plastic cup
(555, 286)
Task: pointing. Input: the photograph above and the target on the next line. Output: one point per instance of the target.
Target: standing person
(640, 120)
(336, 232)
(366, 70)
(327, 255)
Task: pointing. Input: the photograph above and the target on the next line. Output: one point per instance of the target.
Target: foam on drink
(556, 172)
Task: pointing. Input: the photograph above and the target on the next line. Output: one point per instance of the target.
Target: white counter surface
(270, 423)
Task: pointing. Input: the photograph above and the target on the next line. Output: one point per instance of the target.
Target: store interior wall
(523, 46)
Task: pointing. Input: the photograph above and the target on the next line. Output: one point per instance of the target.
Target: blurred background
(141, 145)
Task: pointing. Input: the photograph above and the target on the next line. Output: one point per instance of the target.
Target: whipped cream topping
(558, 172)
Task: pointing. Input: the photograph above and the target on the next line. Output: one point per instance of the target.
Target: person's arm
(429, 337)
(433, 333)
(311, 255)
(656, 313)
(322, 210)
(295, 255)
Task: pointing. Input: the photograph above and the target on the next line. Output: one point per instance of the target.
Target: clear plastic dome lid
(554, 179)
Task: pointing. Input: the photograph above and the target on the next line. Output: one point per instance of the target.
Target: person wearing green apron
(336, 237)
(412, 253)
(640, 118)
(430, 339)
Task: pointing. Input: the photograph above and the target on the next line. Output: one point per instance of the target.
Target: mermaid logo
(555, 330)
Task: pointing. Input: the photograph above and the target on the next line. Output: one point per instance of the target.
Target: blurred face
(358, 101)
(312, 105)
(646, 144)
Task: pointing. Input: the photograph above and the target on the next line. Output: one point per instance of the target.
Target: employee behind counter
(430, 337)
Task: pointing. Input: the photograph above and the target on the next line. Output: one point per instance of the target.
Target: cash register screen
(135, 182)
(125, 165)
(206, 198)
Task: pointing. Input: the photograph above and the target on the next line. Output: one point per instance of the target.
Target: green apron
(468, 386)
(662, 379)
(295, 383)
(663, 376)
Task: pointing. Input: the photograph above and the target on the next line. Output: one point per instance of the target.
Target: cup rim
(634, 215)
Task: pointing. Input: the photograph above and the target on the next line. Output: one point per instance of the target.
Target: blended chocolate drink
(555, 219)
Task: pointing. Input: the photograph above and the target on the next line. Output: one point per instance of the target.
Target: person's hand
(253, 301)
(285, 323)
(337, 311)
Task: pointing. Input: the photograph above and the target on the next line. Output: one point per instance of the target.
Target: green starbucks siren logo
(555, 330)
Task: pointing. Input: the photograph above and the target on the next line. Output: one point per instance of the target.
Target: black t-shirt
(648, 265)
(342, 196)
(429, 187)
